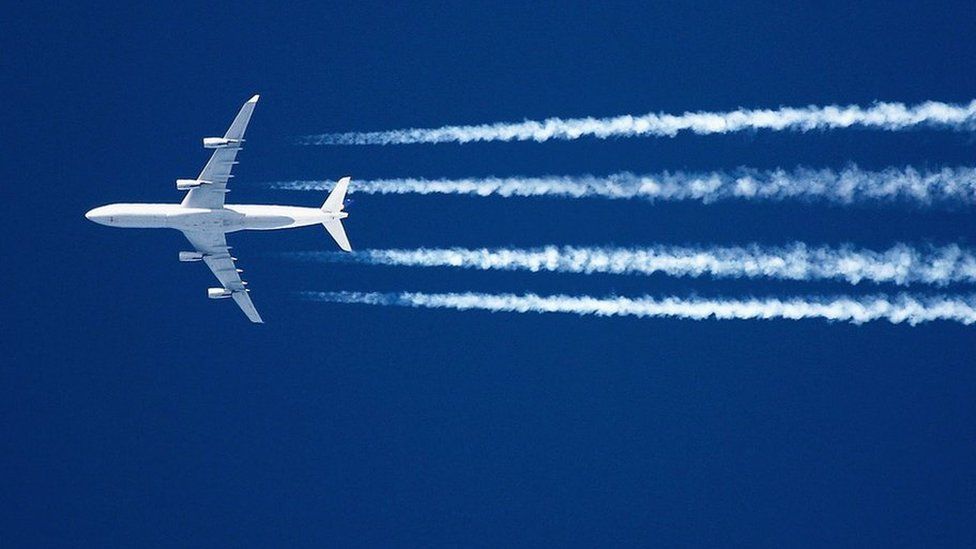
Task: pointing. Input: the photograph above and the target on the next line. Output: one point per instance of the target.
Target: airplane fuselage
(230, 218)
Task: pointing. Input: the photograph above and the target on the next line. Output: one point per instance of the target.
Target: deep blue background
(135, 411)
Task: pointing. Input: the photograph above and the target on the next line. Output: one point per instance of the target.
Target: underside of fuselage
(230, 218)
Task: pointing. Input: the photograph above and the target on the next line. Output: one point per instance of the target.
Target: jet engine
(187, 184)
(219, 293)
(190, 256)
(220, 143)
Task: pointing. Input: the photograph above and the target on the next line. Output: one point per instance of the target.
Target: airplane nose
(98, 215)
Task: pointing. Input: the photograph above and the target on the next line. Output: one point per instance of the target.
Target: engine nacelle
(190, 256)
(187, 184)
(220, 143)
(219, 293)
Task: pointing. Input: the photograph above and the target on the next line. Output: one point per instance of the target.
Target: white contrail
(881, 116)
(899, 264)
(898, 309)
(852, 184)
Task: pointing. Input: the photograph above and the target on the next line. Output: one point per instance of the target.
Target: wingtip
(254, 99)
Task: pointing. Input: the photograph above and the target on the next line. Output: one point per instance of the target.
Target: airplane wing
(217, 171)
(216, 254)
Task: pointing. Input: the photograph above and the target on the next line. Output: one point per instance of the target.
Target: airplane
(205, 219)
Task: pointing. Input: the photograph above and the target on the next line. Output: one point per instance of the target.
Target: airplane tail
(334, 205)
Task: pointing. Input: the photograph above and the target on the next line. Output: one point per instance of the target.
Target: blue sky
(137, 412)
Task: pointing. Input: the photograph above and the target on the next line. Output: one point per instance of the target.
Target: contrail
(881, 116)
(849, 185)
(898, 309)
(899, 264)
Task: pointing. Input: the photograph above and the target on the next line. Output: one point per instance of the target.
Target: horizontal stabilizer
(334, 226)
(334, 203)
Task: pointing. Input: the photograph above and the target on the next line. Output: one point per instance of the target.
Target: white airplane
(205, 220)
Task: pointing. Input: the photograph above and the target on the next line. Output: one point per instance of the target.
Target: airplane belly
(268, 217)
(268, 222)
(191, 219)
(141, 221)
